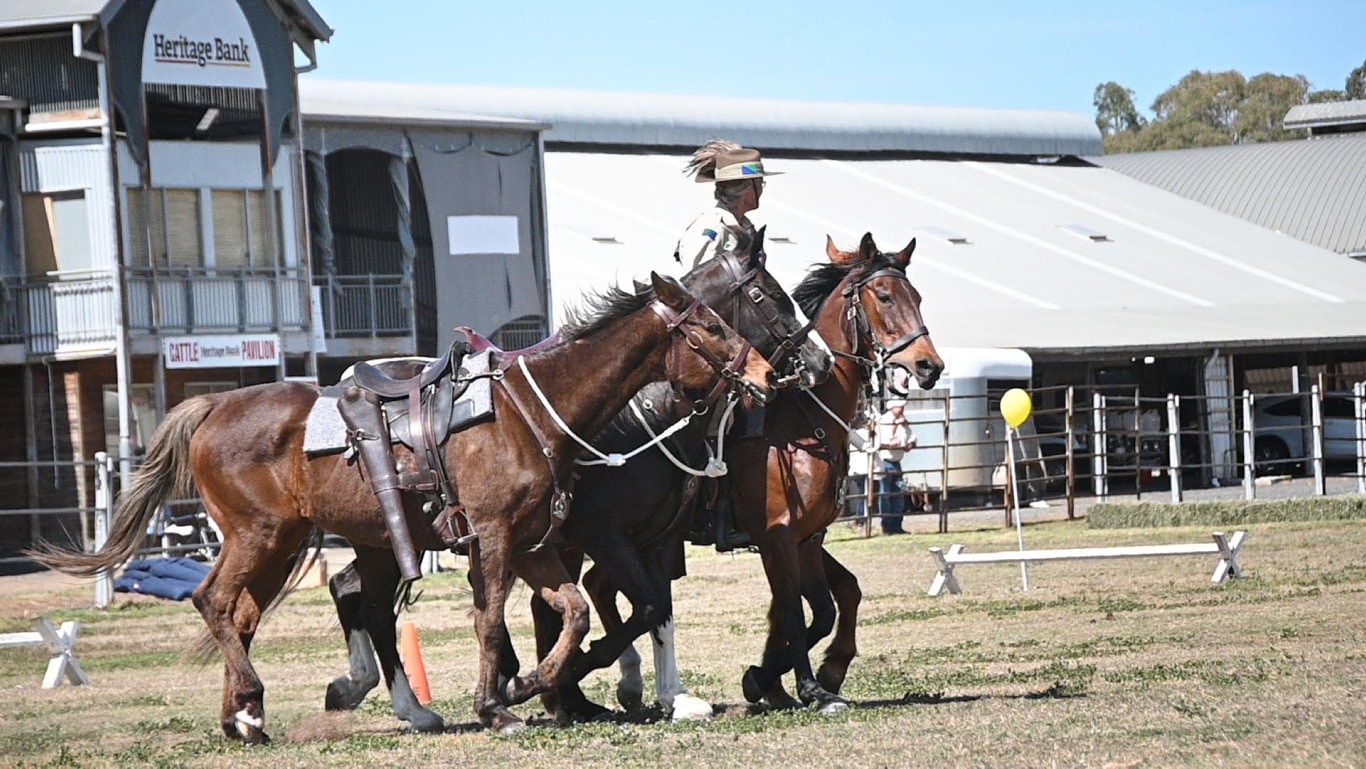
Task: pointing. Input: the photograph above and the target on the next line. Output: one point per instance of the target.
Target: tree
(1210, 99)
(1356, 83)
(1266, 100)
(1115, 110)
(1326, 95)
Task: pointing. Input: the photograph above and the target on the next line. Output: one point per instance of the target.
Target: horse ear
(757, 257)
(867, 249)
(669, 291)
(842, 258)
(903, 257)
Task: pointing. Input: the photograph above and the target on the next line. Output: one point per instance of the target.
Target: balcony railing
(74, 314)
(356, 306)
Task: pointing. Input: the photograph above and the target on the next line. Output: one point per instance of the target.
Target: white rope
(611, 460)
(716, 467)
(848, 429)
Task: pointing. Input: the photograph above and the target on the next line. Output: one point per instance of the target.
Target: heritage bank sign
(200, 42)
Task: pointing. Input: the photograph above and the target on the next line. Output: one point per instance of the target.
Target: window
(169, 219)
(240, 229)
(57, 232)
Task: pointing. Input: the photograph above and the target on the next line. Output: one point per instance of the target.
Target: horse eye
(715, 329)
(884, 297)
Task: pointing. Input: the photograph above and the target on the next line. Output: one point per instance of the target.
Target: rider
(738, 173)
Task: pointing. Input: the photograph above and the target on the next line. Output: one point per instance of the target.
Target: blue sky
(1016, 55)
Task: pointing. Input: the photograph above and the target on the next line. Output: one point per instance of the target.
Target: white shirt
(894, 436)
(708, 233)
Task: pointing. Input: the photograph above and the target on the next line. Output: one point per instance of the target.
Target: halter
(768, 313)
(727, 374)
(857, 327)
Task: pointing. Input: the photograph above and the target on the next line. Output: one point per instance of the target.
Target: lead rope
(716, 464)
(610, 460)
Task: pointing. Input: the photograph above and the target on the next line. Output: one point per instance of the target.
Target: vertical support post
(944, 466)
(1316, 433)
(1249, 444)
(1099, 478)
(1071, 481)
(104, 506)
(1015, 501)
(1360, 391)
(1174, 445)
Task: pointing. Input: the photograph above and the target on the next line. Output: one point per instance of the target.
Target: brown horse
(786, 484)
(243, 450)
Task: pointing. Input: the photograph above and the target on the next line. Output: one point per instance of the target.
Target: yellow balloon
(1016, 406)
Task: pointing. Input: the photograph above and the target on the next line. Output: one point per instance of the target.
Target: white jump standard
(1227, 548)
(60, 644)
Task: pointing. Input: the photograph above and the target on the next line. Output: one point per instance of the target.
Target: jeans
(892, 502)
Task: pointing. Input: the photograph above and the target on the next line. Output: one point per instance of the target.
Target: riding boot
(364, 419)
(728, 536)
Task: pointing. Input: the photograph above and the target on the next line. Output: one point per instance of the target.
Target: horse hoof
(689, 708)
(515, 726)
(343, 694)
(749, 684)
(427, 722)
(631, 700)
(833, 708)
(249, 729)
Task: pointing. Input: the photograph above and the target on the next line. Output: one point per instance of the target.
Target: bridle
(858, 329)
(743, 283)
(729, 375)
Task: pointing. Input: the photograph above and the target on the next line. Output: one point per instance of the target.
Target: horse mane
(821, 280)
(600, 309)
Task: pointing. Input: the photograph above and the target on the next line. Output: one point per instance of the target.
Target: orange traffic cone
(411, 654)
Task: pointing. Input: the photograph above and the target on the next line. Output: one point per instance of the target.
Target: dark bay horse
(243, 450)
(786, 484)
(629, 519)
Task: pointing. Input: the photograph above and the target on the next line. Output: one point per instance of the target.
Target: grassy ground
(1127, 663)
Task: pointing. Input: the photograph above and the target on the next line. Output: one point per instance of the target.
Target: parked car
(1283, 431)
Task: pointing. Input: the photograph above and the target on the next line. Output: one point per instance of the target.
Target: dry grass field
(1127, 663)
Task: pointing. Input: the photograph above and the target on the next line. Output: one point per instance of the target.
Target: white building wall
(69, 166)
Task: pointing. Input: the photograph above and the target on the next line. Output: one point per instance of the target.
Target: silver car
(1283, 431)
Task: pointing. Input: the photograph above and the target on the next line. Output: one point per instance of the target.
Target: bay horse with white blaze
(243, 449)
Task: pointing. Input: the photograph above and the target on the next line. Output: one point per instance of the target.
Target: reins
(727, 375)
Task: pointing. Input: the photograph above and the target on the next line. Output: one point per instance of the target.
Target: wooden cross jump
(60, 644)
(1227, 548)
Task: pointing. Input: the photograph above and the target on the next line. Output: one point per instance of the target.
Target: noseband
(857, 327)
(741, 283)
(728, 374)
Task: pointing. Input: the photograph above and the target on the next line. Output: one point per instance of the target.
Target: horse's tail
(164, 475)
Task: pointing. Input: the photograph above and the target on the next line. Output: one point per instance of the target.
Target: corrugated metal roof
(1169, 274)
(667, 121)
(1326, 114)
(15, 14)
(329, 105)
(1313, 190)
(22, 13)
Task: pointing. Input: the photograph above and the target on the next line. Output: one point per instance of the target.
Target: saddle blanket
(325, 432)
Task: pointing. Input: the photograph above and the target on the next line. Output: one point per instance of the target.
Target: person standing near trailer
(894, 437)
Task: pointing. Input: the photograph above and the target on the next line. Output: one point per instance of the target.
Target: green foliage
(1115, 110)
(1126, 515)
(1355, 87)
(1207, 109)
